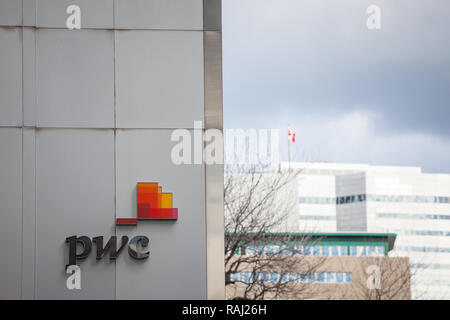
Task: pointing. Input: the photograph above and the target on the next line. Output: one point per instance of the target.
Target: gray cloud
(315, 59)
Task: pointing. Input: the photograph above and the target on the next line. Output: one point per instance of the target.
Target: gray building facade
(85, 114)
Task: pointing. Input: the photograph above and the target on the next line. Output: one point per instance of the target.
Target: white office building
(401, 200)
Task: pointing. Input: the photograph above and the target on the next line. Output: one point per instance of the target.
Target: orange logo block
(152, 204)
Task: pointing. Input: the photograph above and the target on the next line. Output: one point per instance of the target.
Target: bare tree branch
(257, 211)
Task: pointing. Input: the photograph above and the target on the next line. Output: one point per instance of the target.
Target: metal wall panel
(29, 13)
(159, 14)
(74, 196)
(10, 212)
(10, 76)
(212, 45)
(10, 12)
(144, 156)
(215, 232)
(28, 212)
(212, 15)
(159, 79)
(213, 80)
(29, 76)
(75, 78)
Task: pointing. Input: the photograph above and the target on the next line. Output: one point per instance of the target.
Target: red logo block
(152, 204)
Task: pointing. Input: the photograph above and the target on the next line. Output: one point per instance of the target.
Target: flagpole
(289, 152)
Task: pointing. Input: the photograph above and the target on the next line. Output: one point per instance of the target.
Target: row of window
(414, 216)
(317, 200)
(418, 282)
(422, 249)
(363, 251)
(435, 266)
(379, 198)
(303, 217)
(388, 215)
(421, 199)
(317, 250)
(351, 199)
(275, 277)
(421, 232)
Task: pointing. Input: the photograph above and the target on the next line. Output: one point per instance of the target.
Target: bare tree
(259, 212)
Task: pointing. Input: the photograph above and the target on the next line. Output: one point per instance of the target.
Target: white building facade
(401, 200)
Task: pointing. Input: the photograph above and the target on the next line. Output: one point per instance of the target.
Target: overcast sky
(351, 94)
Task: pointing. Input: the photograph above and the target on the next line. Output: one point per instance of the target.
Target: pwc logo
(152, 204)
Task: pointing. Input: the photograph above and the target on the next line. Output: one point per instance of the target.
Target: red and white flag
(291, 135)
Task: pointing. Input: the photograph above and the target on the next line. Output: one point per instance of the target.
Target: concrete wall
(85, 115)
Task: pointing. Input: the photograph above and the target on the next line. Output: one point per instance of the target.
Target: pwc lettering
(152, 204)
(135, 247)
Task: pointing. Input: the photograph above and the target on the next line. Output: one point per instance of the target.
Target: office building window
(274, 277)
(298, 250)
(292, 277)
(320, 277)
(316, 250)
(348, 277)
(377, 198)
(307, 250)
(321, 218)
(413, 216)
(302, 278)
(331, 277)
(260, 250)
(335, 251)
